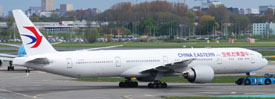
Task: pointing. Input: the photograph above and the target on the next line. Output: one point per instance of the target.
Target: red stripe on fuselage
(38, 37)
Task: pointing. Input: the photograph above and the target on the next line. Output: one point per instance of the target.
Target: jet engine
(199, 74)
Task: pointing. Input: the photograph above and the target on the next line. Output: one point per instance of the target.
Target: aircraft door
(252, 58)
(118, 61)
(69, 63)
(219, 59)
(165, 60)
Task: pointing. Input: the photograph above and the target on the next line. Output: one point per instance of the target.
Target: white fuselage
(112, 63)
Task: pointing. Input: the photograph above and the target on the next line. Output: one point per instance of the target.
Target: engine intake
(199, 74)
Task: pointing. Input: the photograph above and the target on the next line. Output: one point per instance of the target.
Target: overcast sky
(7, 5)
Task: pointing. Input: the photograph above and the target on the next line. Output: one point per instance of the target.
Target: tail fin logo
(37, 39)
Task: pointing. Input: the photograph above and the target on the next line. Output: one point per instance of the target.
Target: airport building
(47, 5)
(63, 26)
(66, 7)
(263, 28)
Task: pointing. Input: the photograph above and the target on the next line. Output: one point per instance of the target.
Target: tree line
(158, 18)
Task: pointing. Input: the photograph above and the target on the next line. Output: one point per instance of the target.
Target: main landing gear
(28, 70)
(157, 84)
(10, 67)
(128, 84)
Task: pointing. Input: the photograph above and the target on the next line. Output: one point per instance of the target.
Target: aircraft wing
(100, 48)
(176, 67)
(7, 57)
(12, 45)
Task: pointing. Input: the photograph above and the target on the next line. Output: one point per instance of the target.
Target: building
(205, 5)
(254, 11)
(47, 14)
(47, 5)
(209, 3)
(249, 11)
(263, 28)
(33, 11)
(66, 7)
(234, 10)
(94, 10)
(62, 26)
(1, 11)
(264, 8)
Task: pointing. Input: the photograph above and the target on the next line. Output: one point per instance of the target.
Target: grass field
(218, 79)
(188, 44)
(8, 51)
(200, 44)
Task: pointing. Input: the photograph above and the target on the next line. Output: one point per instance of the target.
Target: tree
(240, 23)
(207, 25)
(91, 34)
(35, 18)
(269, 15)
(126, 31)
(10, 20)
(147, 26)
(220, 13)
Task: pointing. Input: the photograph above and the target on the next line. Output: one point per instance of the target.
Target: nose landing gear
(10, 67)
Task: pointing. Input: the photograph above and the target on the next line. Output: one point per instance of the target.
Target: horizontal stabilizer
(39, 61)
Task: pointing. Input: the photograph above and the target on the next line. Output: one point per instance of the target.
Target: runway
(41, 85)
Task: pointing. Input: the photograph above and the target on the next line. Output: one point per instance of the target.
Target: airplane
(197, 65)
(8, 57)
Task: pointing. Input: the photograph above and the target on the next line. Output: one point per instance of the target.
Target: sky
(8, 5)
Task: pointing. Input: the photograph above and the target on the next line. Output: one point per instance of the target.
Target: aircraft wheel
(247, 82)
(121, 84)
(239, 81)
(9, 68)
(267, 82)
(12, 68)
(150, 85)
(135, 84)
(164, 85)
(128, 84)
(27, 71)
(157, 85)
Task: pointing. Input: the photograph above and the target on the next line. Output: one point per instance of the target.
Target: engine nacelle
(199, 74)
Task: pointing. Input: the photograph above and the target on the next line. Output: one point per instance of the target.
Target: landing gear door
(118, 61)
(252, 58)
(69, 63)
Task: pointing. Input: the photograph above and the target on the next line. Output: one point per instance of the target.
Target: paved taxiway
(41, 85)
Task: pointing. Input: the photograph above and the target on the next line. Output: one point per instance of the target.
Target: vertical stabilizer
(34, 42)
